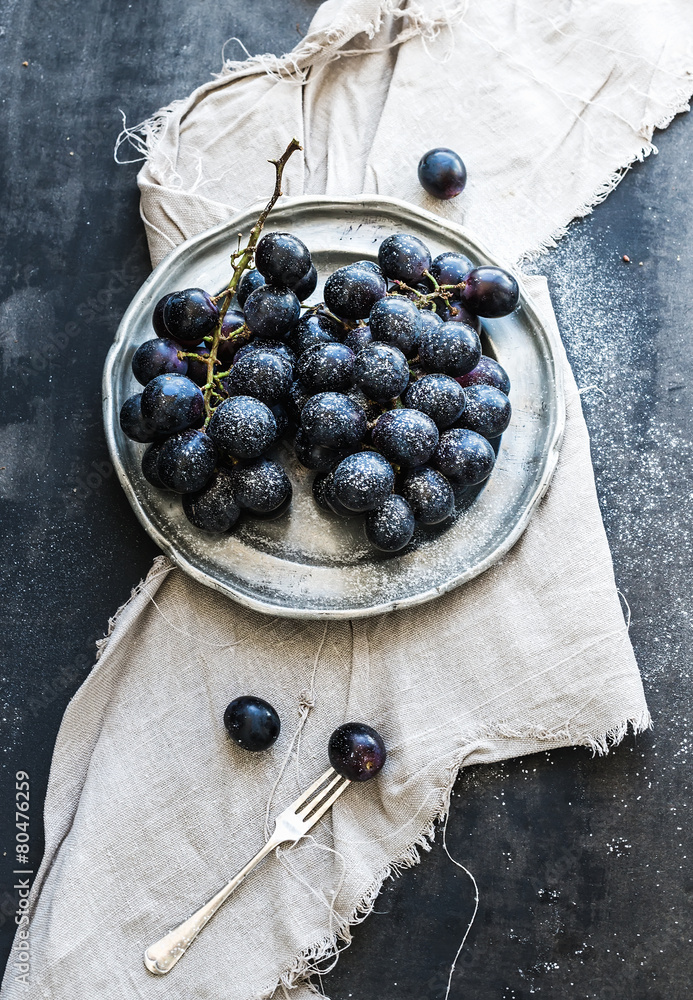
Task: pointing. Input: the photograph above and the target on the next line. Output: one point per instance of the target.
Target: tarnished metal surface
(309, 564)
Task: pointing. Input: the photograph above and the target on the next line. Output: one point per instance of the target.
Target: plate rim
(372, 203)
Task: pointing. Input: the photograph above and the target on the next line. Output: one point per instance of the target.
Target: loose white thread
(622, 596)
(223, 50)
(474, 913)
(135, 136)
(592, 388)
(203, 642)
(314, 968)
(305, 705)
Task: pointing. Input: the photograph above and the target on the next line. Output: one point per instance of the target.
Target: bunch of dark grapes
(211, 421)
(382, 389)
(395, 402)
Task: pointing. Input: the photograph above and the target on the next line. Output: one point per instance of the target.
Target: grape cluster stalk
(240, 262)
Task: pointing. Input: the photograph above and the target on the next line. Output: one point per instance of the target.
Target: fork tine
(318, 798)
(312, 820)
(295, 806)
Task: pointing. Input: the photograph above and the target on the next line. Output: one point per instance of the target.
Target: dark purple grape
(442, 173)
(452, 348)
(275, 346)
(315, 328)
(450, 269)
(275, 512)
(263, 374)
(158, 317)
(333, 504)
(405, 437)
(317, 457)
(429, 321)
(242, 427)
(150, 465)
(439, 396)
(296, 399)
(252, 723)
(189, 316)
(281, 415)
(333, 420)
(282, 259)
(369, 406)
(455, 312)
(249, 282)
(442, 309)
(172, 403)
(356, 751)
(487, 372)
(328, 501)
(158, 357)
(464, 456)
(214, 508)
(319, 493)
(363, 481)
(230, 341)
(491, 292)
(381, 371)
(396, 320)
(429, 495)
(232, 322)
(307, 285)
(326, 368)
(370, 265)
(271, 311)
(390, 527)
(186, 461)
(261, 486)
(134, 425)
(352, 291)
(404, 258)
(487, 412)
(197, 370)
(358, 338)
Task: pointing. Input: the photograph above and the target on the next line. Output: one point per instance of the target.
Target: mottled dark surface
(582, 863)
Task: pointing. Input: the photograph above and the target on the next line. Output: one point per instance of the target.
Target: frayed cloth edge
(679, 104)
(307, 962)
(292, 67)
(160, 565)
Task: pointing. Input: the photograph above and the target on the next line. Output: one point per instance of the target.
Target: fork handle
(160, 958)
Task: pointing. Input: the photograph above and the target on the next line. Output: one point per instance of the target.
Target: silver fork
(291, 824)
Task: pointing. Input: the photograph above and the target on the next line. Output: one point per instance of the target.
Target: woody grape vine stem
(240, 261)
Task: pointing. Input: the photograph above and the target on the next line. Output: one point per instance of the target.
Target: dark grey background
(583, 864)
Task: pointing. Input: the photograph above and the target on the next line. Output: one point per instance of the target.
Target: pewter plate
(309, 564)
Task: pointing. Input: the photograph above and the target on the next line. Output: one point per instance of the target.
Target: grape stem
(322, 309)
(240, 261)
(423, 298)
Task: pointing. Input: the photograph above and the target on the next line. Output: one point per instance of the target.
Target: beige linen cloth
(150, 808)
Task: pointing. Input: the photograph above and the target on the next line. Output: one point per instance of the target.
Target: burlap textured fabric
(150, 808)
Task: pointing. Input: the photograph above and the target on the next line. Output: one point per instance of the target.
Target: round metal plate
(309, 564)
